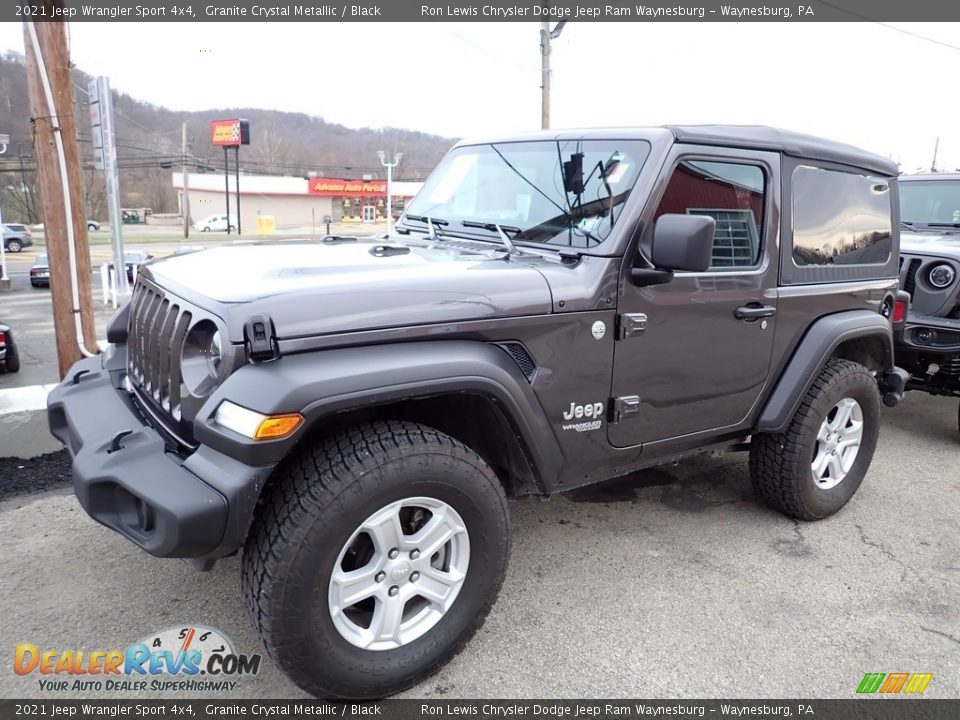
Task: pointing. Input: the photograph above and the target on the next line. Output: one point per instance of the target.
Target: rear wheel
(374, 558)
(812, 469)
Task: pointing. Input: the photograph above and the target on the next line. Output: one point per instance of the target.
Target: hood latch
(260, 338)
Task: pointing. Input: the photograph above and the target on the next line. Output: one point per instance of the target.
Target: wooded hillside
(149, 147)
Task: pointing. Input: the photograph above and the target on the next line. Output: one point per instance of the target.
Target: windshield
(934, 202)
(567, 193)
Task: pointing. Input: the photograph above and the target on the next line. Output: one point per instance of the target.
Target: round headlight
(202, 358)
(942, 275)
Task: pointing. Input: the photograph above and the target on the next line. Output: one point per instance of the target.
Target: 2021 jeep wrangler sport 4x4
(553, 310)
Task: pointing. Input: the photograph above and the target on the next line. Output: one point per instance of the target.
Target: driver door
(686, 360)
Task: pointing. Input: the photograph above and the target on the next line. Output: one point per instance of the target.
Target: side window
(840, 218)
(732, 194)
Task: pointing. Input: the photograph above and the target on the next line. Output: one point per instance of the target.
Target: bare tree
(272, 149)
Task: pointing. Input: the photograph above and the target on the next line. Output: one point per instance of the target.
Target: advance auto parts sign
(334, 187)
(230, 133)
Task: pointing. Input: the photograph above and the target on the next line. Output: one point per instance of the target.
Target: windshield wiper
(946, 225)
(431, 222)
(558, 255)
(501, 230)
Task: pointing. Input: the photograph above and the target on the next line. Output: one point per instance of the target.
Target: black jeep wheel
(813, 468)
(374, 558)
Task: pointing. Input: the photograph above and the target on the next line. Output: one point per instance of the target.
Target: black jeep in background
(929, 345)
(553, 310)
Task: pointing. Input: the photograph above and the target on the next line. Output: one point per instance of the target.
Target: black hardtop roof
(754, 137)
(799, 145)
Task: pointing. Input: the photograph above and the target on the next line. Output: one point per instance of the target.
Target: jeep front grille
(158, 326)
(908, 280)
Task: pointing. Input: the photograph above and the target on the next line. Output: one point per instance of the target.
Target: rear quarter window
(840, 218)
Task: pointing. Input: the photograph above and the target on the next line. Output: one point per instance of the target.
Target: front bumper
(128, 479)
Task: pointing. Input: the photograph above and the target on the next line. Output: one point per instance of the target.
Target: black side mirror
(680, 242)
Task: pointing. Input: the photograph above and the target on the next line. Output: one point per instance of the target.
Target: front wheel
(374, 558)
(13, 246)
(812, 469)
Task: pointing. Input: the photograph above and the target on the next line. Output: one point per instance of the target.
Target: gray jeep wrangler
(553, 310)
(929, 345)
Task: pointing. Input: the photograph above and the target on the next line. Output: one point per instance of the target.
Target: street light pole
(389, 166)
(4, 280)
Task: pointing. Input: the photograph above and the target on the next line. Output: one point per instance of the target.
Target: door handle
(754, 311)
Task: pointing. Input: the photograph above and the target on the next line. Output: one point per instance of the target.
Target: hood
(930, 243)
(316, 288)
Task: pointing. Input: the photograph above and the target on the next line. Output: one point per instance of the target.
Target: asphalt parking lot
(674, 582)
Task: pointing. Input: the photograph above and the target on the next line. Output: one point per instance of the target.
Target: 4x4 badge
(598, 330)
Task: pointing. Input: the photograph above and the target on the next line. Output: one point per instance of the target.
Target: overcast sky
(869, 84)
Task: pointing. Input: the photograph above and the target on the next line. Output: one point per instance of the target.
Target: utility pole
(546, 35)
(389, 166)
(185, 199)
(53, 113)
(5, 284)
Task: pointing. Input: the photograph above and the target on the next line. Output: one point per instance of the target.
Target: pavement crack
(884, 550)
(798, 532)
(948, 636)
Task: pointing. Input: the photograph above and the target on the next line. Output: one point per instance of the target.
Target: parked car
(93, 225)
(16, 237)
(215, 223)
(574, 306)
(40, 272)
(929, 346)
(9, 356)
(133, 259)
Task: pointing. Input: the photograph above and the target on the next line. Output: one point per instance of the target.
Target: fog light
(925, 336)
(254, 425)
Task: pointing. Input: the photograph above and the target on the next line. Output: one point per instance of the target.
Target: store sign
(230, 133)
(334, 187)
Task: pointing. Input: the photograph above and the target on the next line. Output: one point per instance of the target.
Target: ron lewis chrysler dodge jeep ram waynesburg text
(552, 310)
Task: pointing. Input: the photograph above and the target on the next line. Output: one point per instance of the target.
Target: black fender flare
(816, 347)
(320, 384)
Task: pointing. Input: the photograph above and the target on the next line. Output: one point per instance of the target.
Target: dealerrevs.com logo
(894, 683)
(191, 658)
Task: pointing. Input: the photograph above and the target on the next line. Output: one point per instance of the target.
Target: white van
(215, 223)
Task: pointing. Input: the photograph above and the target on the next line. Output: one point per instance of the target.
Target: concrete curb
(23, 422)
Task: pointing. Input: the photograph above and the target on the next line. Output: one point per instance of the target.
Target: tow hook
(892, 386)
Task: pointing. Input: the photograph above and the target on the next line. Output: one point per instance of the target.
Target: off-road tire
(780, 463)
(315, 502)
